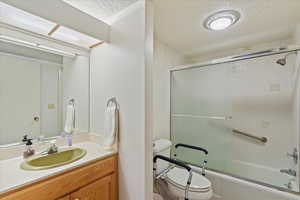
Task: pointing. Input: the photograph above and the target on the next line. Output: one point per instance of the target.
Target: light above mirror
(18, 18)
(16, 41)
(221, 20)
(74, 37)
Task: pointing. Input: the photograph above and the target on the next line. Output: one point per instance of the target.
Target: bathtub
(226, 187)
(262, 174)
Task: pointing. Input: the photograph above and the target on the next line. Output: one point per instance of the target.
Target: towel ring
(72, 102)
(114, 101)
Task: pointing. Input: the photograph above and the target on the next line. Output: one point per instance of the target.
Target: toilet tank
(162, 147)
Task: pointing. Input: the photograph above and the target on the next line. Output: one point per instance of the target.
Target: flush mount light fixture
(221, 20)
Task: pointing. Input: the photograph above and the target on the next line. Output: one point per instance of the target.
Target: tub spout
(290, 172)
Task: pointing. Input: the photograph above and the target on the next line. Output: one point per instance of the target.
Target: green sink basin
(63, 157)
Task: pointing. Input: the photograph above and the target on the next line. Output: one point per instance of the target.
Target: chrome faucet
(294, 155)
(52, 148)
(290, 185)
(290, 172)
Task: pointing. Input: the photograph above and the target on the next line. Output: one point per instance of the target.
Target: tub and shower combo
(245, 111)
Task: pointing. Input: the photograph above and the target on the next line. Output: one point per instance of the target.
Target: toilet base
(192, 195)
(157, 197)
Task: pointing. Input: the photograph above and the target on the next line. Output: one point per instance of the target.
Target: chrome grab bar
(260, 139)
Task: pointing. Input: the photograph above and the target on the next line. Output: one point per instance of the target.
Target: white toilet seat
(200, 188)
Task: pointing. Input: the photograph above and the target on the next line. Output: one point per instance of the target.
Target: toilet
(176, 178)
(157, 197)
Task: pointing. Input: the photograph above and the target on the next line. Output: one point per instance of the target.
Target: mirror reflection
(36, 88)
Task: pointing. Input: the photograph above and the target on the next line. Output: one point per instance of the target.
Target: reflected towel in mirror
(70, 119)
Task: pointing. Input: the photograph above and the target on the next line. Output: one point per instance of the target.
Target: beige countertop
(12, 176)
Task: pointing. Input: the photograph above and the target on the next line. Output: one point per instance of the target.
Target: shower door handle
(288, 185)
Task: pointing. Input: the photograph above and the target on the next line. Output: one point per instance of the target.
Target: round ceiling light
(221, 20)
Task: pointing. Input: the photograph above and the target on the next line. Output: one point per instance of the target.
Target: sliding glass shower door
(245, 113)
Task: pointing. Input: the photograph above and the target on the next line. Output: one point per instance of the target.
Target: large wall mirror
(35, 89)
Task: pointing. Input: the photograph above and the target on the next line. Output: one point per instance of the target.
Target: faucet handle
(290, 172)
(288, 185)
(294, 155)
(52, 142)
(53, 148)
(25, 138)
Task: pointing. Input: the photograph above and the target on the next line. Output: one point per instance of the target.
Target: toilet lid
(179, 177)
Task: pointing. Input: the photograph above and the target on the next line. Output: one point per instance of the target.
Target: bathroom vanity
(91, 178)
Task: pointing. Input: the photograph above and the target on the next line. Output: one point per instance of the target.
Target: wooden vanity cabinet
(102, 189)
(64, 198)
(94, 181)
(99, 190)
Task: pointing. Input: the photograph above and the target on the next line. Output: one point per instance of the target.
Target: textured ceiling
(178, 23)
(101, 9)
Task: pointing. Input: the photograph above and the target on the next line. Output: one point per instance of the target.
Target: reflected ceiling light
(221, 20)
(12, 40)
(34, 23)
(19, 18)
(56, 51)
(9, 39)
(22, 19)
(68, 37)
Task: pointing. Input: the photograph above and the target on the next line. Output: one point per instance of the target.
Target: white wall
(118, 69)
(164, 57)
(76, 84)
(149, 57)
(296, 37)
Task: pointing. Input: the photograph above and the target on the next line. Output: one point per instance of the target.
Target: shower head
(282, 61)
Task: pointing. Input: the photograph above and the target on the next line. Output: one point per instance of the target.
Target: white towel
(111, 125)
(70, 119)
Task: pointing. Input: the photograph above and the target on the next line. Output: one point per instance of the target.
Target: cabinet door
(103, 189)
(64, 198)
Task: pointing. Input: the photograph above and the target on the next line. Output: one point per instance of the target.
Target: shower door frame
(230, 59)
